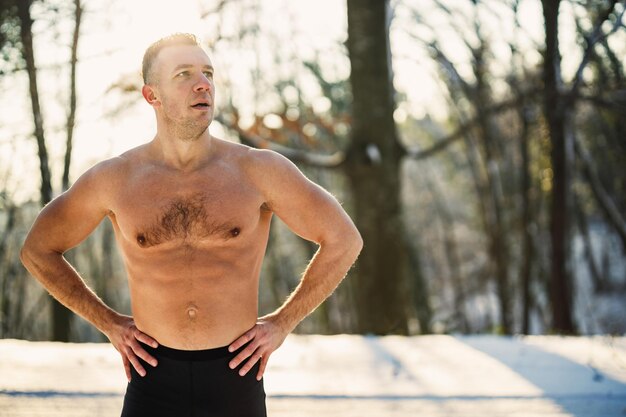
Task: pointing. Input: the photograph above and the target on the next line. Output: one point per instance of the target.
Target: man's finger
(264, 360)
(242, 340)
(126, 367)
(250, 364)
(133, 360)
(247, 352)
(141, 352)
(144, 338)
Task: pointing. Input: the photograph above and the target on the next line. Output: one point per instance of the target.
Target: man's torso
(193, 244)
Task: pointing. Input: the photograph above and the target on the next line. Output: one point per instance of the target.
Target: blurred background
(479, 146)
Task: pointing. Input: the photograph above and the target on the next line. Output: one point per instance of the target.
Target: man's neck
(183, 154)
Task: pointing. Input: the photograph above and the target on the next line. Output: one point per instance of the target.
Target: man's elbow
(345, 240)
(358, 241)
(26, 254)
(29, 252)
(353, 241)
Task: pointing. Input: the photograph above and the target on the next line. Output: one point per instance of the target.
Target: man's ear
(150, 95)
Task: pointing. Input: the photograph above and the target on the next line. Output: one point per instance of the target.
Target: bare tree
(71, 115)
(28, 54)
(61, 315)
(559, 100)
(373, 167)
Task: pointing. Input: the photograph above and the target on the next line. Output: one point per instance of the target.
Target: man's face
(184, 89)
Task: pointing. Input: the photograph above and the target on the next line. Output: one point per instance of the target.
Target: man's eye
(208, 74)
(182, 74)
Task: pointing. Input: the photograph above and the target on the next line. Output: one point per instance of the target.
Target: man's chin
(193, 131)
(204, 121)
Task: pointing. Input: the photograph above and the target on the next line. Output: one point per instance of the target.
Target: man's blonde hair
(153, 50)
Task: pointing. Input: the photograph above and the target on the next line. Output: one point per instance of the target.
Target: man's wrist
(280, 320)
(110, 320)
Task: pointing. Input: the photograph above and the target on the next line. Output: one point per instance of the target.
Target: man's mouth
(201, 106)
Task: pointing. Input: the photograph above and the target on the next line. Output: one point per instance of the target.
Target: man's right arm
(63, 224)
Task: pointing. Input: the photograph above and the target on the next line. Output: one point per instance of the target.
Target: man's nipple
(141, 239)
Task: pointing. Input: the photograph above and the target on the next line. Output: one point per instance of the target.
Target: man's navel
(192, 312)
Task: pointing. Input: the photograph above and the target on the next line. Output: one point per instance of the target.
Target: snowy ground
(350, 376)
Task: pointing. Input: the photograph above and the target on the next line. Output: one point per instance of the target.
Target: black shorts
(193, 383)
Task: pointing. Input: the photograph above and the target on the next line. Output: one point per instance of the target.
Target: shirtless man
(191, 215)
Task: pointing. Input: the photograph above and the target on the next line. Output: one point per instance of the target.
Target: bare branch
(603, 198)
(216, 10)
(599, 283)
(450, 68)
(296, 155)
(442, 144)
(615, 102)
(597, 35)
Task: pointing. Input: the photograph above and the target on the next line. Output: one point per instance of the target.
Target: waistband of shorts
(189, 355)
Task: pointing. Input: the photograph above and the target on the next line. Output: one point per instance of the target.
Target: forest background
(479, 146)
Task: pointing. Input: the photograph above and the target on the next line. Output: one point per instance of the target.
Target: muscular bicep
(309, 210)
(68, 219)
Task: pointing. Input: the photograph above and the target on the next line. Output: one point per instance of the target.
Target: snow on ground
(350, 376)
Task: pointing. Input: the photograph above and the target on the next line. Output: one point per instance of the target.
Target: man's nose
(202, 84)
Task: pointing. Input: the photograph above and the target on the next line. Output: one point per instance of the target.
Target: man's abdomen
(207, 314)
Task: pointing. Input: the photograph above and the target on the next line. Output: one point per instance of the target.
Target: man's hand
(263, 339)
(124, 336)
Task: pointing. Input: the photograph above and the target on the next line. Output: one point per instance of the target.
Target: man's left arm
(313, 214)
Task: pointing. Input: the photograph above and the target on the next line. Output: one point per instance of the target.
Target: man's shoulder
(107, 168)
(264, 159)
(105, 174)
(268, 169)
(119, 165)
(253, 158)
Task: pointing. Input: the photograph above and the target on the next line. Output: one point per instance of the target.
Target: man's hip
(194, 384)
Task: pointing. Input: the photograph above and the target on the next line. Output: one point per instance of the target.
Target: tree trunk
(527, 216)
(71, 116)
(525, 115)
(485, 169)
(495, 229)
(61, 315)
(26, 36)
(381, 285)
(562, 148)
(451, 254)
(419, 287)
(7, 279)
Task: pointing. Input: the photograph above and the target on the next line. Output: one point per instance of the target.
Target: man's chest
(161, 210)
